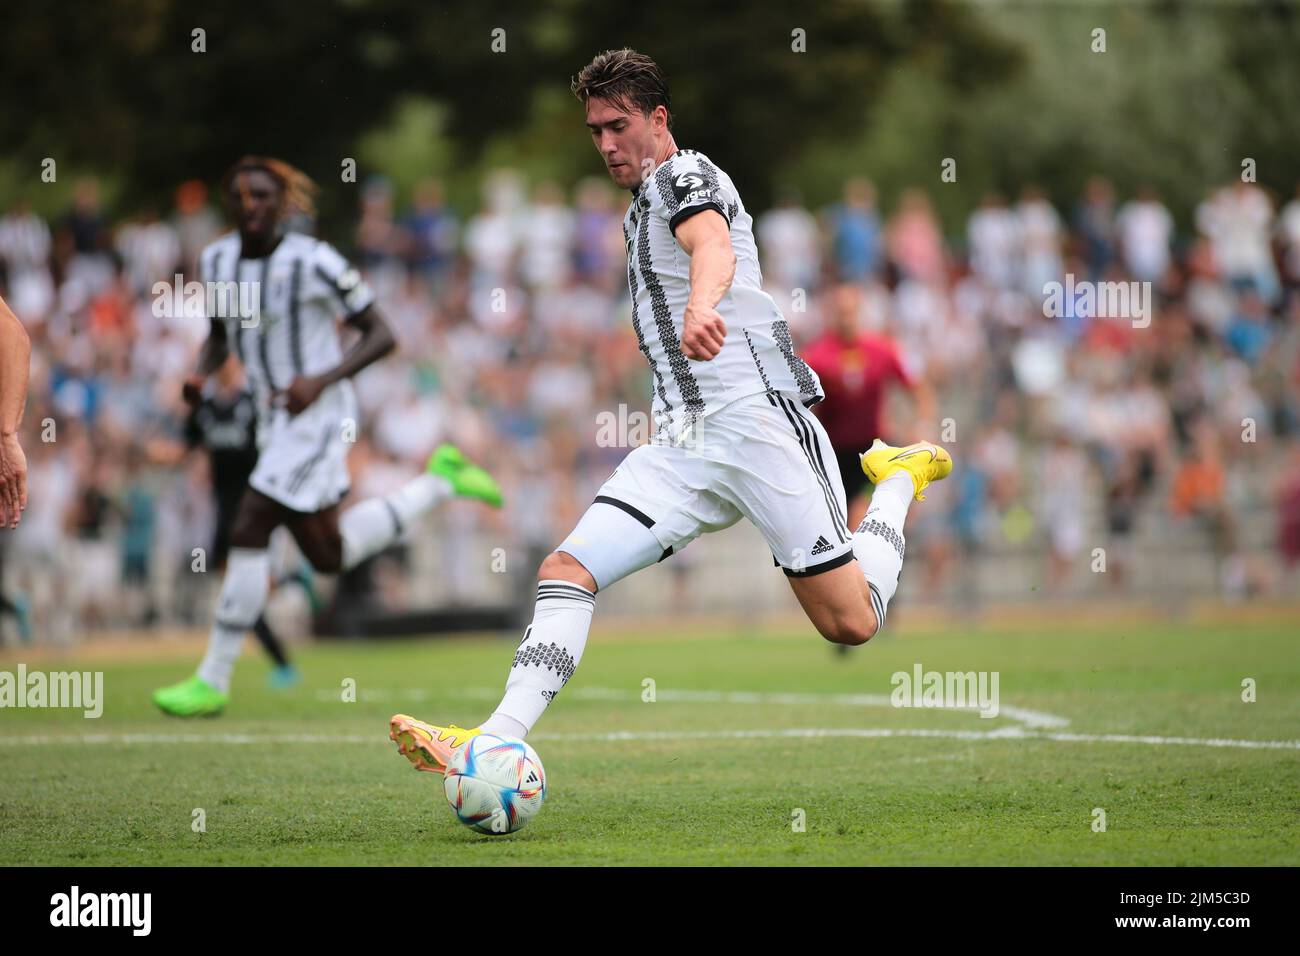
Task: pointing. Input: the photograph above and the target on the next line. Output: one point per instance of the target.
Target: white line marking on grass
(1014, 733)
(43, 740)
(618, 736)
(1030, 718)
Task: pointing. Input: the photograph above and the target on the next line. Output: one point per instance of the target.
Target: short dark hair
(627, 79)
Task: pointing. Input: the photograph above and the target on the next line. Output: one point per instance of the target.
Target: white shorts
(765, 458)
(303, 461)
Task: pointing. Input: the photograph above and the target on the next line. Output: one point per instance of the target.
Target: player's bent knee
(850, 631)
(560, 566)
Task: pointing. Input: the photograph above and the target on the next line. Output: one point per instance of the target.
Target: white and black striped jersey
(297, 295)
(758, 354)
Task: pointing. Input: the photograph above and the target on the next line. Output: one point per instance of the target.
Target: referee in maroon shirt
(857, 369)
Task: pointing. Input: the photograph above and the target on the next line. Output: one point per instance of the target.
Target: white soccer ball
(495, 784)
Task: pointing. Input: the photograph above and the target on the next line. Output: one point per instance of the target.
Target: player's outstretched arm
(15, 358)
(706, 238)
(376, 341)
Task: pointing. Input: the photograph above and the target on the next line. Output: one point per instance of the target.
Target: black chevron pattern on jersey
(263, 338)
(636, 320)
(680, 366)
(757, 364)
(664, 183)
(295, 316)
(235, 325)
(798, 367)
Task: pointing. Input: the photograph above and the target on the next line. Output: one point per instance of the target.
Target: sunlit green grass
(68, 796)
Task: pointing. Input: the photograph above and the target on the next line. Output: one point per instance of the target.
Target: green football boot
(192, 697)
(467, 479)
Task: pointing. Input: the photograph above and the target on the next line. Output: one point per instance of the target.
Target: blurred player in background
(733, 435)
(274, 297)
(857, 369)
(223, 423)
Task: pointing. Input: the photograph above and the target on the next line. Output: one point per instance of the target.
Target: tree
(127, 89)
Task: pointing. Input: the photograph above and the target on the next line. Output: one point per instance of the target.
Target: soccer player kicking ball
(306, 408)
(733, 435)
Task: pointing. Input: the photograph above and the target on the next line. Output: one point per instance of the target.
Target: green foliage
(1012, 91)
(1180, 96)
(130, 96)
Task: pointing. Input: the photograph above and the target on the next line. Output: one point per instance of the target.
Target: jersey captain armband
(352, 291)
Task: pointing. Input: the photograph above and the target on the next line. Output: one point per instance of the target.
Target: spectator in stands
(432, 232)
(993, 240)
(854, 233)
(488, 359)
(1238, 221)
(914, 241)
(789, 246)
(1146, 233)
(1094, 222)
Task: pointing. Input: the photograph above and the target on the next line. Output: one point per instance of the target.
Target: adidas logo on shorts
(822, 545)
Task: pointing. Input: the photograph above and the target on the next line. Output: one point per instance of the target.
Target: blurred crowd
(1073, 429)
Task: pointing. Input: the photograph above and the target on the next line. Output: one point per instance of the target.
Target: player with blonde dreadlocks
(274, 296)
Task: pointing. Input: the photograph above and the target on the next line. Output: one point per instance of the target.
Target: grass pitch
(746, 738)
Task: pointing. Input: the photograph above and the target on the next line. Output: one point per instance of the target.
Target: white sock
(504, 726)
(878, 543)
(547, 656)
(243, 599)
(377, 523)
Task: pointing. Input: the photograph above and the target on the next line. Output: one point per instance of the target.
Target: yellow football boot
(924, 461)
